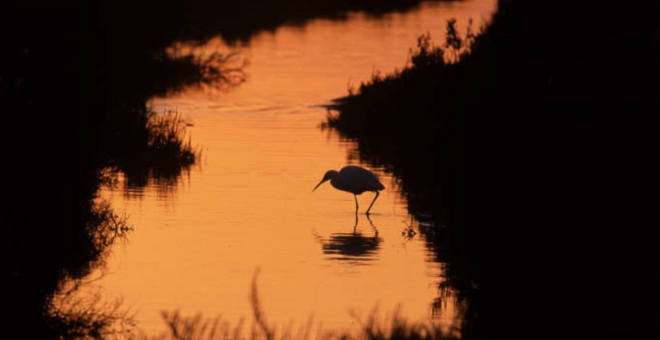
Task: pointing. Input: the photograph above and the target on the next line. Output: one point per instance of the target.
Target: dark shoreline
(537, 151)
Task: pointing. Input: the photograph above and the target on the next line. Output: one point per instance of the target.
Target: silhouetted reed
(167, 144)
(163, 152)
(374, 327)
(397, 327)
(72, 316)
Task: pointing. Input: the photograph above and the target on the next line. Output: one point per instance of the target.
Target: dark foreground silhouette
(537, 150)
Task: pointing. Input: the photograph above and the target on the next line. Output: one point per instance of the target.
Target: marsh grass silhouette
(167, 132)
(168, 149)
(71, 316)
(374, 327)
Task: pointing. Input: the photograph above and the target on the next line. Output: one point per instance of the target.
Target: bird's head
(330, 174)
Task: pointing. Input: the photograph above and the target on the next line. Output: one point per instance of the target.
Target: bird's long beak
(318, 185)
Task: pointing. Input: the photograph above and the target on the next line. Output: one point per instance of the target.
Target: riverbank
(535, 150)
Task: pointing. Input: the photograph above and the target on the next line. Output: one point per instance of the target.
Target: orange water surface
(249, 206)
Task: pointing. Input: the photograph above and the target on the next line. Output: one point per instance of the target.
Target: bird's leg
(356, 204)
(372, 202)
(372, 225)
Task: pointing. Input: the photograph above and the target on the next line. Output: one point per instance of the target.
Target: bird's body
(354, 179)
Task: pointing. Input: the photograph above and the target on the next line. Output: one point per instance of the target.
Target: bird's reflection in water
(353, 247)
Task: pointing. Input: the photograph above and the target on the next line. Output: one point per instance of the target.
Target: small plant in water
(167, 144)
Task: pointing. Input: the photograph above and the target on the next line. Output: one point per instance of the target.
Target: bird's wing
(360, 179)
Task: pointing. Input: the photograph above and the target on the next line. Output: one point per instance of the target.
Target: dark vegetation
(374, 327)
(537, 150)
(235, 21)
(75, 79)
(163, 157)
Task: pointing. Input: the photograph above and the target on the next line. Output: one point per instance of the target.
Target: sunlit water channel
(196, 245)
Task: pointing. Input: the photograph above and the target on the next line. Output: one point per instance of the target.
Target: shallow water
(248, 206)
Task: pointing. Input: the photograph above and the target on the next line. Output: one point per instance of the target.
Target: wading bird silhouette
(353, 179)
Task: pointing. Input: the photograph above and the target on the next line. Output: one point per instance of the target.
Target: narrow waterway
(249, 206)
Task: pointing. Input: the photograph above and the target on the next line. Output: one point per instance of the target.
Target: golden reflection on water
(249, 203)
